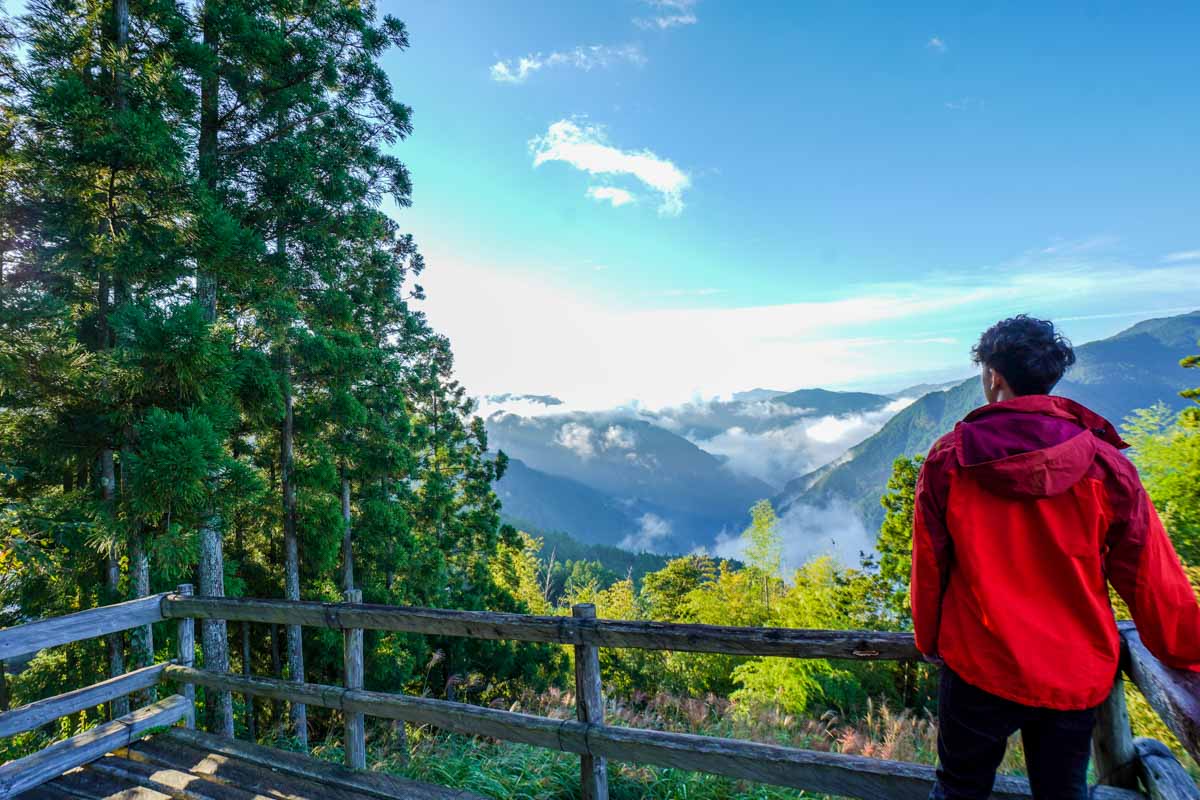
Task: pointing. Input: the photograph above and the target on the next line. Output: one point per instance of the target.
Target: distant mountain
(822, 402)
(756, 394)
(534, 500)
(922, 389)
(615, 479)
(1133, 369)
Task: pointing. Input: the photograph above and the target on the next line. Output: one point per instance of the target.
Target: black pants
(973, 731)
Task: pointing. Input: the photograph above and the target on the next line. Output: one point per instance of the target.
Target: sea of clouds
(771, 441)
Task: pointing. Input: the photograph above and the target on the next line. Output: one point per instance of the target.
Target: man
(1023, 514)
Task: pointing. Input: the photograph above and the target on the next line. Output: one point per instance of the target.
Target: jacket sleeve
(931, 550)
(1144, 569)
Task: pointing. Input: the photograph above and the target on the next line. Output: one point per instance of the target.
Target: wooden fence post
(1112, 741)
(185, 650)
(589, 705)
(356, 744)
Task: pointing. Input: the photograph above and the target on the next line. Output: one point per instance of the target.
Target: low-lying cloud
(771, 441)
(809, 532)
(652, 535)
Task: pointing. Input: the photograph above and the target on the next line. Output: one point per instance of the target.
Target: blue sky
(683, 198)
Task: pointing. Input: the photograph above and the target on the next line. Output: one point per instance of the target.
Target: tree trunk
(347, 550)
(251, 730)
(277, 671)
(291, 553)
(112, 573)
(214, 634)
(142, 639)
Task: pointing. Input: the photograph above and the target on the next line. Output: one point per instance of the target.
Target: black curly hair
(1030, 354)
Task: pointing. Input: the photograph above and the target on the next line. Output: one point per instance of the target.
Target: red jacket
(1023, 512)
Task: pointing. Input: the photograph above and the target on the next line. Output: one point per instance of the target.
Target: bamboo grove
(213, 366)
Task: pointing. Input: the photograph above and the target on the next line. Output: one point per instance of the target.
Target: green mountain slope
(1133, 369)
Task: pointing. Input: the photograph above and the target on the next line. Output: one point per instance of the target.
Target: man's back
(1037, 508)
(1025, 513)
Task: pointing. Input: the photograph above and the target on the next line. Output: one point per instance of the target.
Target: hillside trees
(211, 355)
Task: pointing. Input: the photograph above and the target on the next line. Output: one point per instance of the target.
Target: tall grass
(502, 770)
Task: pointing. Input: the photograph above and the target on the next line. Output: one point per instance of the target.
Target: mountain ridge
(1131, 369)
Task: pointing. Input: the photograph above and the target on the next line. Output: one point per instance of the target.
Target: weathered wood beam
(38, 713)
(352, 666)
(34, 636)
(1174, 694)
(831, 773)
(46, 764)
(185, 648)
(589, 706)
(1112, 741)
(791, 642)
(1164, 776)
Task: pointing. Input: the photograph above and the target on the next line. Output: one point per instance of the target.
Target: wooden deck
(181, 764)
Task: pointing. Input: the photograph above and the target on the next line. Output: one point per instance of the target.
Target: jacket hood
(1032, 446)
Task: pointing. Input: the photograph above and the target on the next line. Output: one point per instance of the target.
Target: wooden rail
(50, 762)
(1121, 760)
(38, 713)
(788, 642)
(34, 636)
(1174, 694)
(833, 773)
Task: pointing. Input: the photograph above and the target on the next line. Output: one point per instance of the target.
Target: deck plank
(327, 773)
(84, 784)
(178, 784)
(199, 766)
(230, 771)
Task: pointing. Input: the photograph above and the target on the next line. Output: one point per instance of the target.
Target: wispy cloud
(964, 104)
(1182, 255)
(586, 148)
(667, 355)
(936, 43)
(518, 70)
(618, 197)
(668, 14)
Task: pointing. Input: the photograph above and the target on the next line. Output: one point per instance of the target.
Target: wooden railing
(22, 774)
(1121, 761)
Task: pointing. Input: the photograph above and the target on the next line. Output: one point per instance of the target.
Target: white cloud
(1182, 255)
(586, 148)
(652, 533)
(618, 197)
(577, 438)
(936, 43)
(599, 353)
(779, 454)
(668, 14)
(518, 70)
(808, 532)
(619, 437)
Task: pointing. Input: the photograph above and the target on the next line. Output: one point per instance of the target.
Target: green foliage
(894, 545)
(1166, 449)
(196, 239)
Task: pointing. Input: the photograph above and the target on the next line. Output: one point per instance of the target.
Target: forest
(215, 369)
